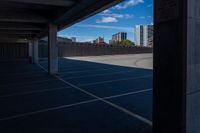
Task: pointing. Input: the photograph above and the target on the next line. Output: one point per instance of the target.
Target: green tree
(127, 42)
(123, 42)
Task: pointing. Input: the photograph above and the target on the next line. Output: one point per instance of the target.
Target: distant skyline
(120, 18)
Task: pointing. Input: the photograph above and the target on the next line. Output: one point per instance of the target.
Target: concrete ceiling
(24, 19)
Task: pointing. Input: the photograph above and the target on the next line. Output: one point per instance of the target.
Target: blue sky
(120, 18)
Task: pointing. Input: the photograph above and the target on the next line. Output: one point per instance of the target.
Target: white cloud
(128, 16)
(107, 20)
(115, 15)
(106, 11)
(112, 17)
(126, 29)
(129, 3)
(149, 16)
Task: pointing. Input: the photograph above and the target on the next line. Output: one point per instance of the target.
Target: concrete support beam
(53, 50)
(35, 51)
(22, 17)
(176, 67)
(45, 2)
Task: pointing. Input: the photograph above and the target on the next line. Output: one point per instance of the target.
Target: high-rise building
(144, 35)
(73, 39)
(119, 36)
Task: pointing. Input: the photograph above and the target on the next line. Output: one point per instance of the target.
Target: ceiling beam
(45, 2)
(7, 36)
(18, 32)
(74, 15)
(21, 28)
(22, 17)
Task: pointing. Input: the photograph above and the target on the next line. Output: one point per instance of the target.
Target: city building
(99, 40)
(73, 39)
(144, 35)
(63, 40)
(60, 40)
(119, 36)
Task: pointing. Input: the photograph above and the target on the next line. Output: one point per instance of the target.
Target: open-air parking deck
(84, 97)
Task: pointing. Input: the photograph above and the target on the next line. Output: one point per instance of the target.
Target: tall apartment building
(144, 35)
(119, 36)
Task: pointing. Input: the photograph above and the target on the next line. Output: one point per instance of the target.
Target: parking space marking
(46, 110)
(70, 105)
(126, 94)
(103, 69)
(33, 92)
(38, 75)
(143, 119)
(69, 68)
(116, 80)
(28, 83)
(59, 88)
(94, 75)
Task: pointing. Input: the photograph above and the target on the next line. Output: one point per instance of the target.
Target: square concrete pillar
(193, 67)
(53, 50)
(30, 51)
(176, 66)
(35, 51)
(30, 48)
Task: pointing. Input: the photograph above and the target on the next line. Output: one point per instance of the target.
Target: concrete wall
(13, 50)
(193, 67)
(76, 49)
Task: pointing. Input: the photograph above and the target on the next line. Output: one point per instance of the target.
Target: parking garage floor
(84, 97)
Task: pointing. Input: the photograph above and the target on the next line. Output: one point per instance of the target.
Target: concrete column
(53, 50)
(30, 48)
(30, 51)
(176, 66)
(35, 51)
(193, 67)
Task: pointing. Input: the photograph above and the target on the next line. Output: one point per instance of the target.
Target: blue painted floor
(94, 98)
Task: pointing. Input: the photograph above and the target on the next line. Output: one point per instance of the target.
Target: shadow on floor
(32, 101)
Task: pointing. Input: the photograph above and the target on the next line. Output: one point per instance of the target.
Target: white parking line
(94, 75)
(126, 94)
(61, 88)
(70, 105)
(110, 103)
(116, 80)
(33, 92)
(103, 69)
(45, 110)
(23, 77)
(81, 85)
(27, 83)
(69, 68)
(145, 120)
